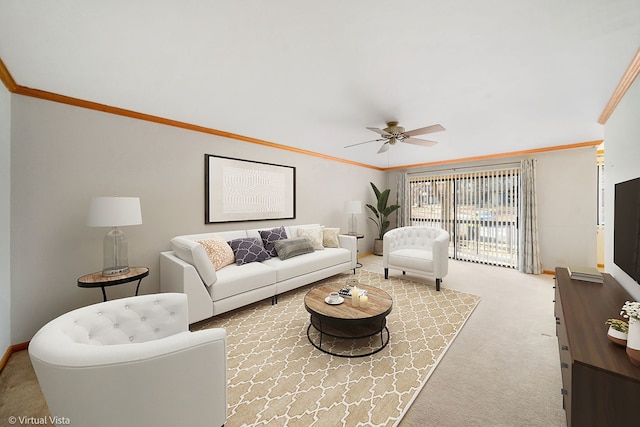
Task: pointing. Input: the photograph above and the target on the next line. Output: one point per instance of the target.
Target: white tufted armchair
(132, 362)
(420, 250)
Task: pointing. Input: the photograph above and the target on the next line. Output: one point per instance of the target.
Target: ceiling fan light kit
(394, 133)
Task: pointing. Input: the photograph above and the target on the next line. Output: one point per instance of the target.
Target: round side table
(97, 280)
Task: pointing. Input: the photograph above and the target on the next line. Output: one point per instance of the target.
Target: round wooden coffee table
(346, 321)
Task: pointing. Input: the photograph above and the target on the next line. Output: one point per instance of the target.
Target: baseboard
(12, 349)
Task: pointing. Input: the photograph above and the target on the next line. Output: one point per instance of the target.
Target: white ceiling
(499, 75)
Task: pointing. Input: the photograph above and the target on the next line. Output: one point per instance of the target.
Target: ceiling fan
(394, 133)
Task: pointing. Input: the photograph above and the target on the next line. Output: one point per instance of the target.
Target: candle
(355, 296)
(364, 299)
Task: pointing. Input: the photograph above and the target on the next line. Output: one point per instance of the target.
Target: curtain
(529, 261)
(402, 214)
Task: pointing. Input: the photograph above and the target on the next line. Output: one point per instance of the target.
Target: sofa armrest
(69, 354)
(350, 243)
(177, 275)
(441, 255)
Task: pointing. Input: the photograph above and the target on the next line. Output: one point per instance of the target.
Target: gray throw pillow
(289, 248)
(248, 249)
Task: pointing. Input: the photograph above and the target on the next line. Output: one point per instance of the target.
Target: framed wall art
(245, 190)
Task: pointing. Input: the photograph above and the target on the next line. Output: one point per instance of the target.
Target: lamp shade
(114, 211)
(353, 207)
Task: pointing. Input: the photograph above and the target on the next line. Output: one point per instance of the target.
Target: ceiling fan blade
(381, 132)
(360, 143)
(423, 142)
(425, 130)
(384, 148)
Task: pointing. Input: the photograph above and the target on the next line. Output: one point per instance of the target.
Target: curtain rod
(493, 165)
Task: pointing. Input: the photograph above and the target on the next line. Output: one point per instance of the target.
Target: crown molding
(13, 87)
(6, 78)
(502, 155)
(623, 86)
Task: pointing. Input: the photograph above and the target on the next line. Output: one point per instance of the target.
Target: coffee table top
(380, 303)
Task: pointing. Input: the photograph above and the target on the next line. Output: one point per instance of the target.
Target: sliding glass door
(478, 209)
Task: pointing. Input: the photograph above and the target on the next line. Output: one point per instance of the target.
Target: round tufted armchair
(132, 362)
(419, 250)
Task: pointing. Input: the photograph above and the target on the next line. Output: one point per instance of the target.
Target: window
(478, 209)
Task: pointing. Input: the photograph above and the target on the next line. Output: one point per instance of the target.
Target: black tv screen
(626, 227)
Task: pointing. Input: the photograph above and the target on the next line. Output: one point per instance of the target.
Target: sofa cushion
(308, 263)
(289, 248)
(238, 279)
(418, 259)
(330, 237)
(270, 237)
(248, 249)
(218, 250)
(314, 234)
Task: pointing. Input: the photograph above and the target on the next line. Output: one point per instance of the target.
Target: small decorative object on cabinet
(600, 385)
(617, 332)
(631, 311)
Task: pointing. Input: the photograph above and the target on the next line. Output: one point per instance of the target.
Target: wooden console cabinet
(600, 385)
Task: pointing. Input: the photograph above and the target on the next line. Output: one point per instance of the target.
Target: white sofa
(419, 250)
(188, 269)
(132, 361)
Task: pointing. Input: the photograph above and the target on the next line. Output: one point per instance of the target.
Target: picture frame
(244, 190)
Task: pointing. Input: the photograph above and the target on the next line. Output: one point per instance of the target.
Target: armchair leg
(438, 284)
(386, 273)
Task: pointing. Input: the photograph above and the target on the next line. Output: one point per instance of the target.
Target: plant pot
(377, 247)
(617, 337)
(633, 342)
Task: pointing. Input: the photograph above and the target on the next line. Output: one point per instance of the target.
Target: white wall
(567, 207)
(5, 225)
(567, 199)
(622, 162)
(61, 156)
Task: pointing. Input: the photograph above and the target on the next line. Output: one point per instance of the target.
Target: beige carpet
(276, 377)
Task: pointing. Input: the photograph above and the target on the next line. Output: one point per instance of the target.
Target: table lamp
(353, 207)
(114, 212)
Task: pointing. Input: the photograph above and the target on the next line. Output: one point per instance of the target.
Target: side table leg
(138, 287)
(104, 294)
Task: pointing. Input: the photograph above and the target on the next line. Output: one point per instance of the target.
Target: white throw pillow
(330, 237)
(314, 234)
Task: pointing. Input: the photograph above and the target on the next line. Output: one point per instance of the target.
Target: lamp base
(353, 225)
(115, 271)
(116, 259)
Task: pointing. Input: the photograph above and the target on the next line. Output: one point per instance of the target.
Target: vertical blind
(478, 209)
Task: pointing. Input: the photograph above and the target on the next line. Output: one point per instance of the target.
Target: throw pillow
(219, 251)
(289, 248)
(248, 249)
(270, 237)
(330, 238)
(314, 234)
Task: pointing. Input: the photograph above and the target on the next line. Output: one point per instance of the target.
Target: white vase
(633, 342)
(617, 337)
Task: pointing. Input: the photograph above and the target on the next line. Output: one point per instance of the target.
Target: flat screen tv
(626, 227)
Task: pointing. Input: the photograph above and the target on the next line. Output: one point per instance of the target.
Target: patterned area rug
(277, 378)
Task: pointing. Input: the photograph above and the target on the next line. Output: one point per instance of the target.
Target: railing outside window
(479, 210)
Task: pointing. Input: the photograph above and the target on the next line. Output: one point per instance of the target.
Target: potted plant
(618, 330)
(381, 212)
(631, 311)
